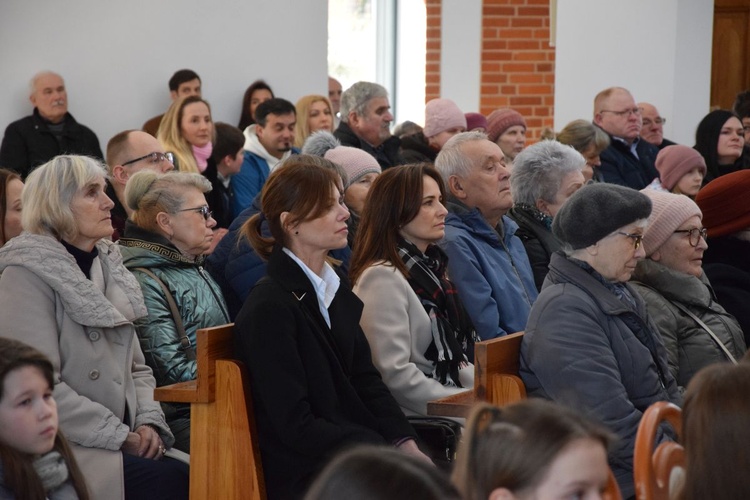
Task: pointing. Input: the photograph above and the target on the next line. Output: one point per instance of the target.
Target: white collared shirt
(325, 286)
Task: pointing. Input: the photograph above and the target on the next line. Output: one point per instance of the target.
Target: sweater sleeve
(390, 331)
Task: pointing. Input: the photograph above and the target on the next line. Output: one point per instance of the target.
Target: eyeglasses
(695, 235)
(637, 239)
(204, 211)
(627, 112)
(155, 158)
(656, 121)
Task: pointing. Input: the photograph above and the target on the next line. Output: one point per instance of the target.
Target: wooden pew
(496, 380)
(654, 468)
(224, 453)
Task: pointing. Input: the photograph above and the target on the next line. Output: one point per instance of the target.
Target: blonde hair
(148, 193)
(170, 134)
(302, 129)
(49, 191)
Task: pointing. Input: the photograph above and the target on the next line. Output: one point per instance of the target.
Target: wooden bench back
(224, 454)
(496, 364)
(655, 469)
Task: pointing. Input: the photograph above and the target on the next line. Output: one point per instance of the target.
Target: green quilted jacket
(198, 298)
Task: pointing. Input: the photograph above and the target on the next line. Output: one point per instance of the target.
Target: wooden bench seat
(224, 453)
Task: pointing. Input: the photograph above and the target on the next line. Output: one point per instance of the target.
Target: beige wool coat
(85, 326)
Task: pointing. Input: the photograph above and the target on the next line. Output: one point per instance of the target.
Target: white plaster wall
(116, 57)
(461, 53)
(658, 49)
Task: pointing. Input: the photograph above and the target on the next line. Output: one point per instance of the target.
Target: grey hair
(452, 160)
(319, 161)
(36, 77)
(49, 191)
(147, 188)
(356, 97)
(319, 143)
(538, 171)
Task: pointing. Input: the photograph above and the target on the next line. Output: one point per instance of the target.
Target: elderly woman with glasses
(590, 342)
(695, 329)
(163, 245)
(65, 291)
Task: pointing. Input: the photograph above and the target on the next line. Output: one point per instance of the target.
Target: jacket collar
(137, 237)
(71, 125)
(562, 270)
(470, 219)
(672, 284)
(83, 301)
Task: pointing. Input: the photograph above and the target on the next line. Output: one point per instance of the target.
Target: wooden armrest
(181, 392)
(456, 405)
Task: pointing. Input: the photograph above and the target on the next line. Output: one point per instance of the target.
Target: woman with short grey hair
(65, 291)
(544, 176)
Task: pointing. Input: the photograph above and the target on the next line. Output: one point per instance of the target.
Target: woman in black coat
(315, 390)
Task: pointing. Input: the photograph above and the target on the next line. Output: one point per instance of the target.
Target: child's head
(681, 169)
(532, 449)
(28, 413)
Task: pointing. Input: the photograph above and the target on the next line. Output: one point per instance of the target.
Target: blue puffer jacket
(197, 295)
(493, 276)
(236, 267)
(588, 349)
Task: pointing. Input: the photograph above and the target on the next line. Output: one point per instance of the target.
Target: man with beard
(365, 123)
(49, 131)
(266, 145)
(629, 160)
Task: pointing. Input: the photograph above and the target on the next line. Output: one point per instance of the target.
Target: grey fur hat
(597, 210)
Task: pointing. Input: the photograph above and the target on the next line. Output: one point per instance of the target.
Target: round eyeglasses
(637, 239)
(204, 211)
(695, 235)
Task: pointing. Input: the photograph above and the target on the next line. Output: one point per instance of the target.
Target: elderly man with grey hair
(487, 261)
(49, 131)
(544, 176)
(365, 123)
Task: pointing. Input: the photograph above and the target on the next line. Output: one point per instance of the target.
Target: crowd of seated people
(360, 267)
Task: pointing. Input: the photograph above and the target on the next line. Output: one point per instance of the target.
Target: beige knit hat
(669, 212)
(441, 115)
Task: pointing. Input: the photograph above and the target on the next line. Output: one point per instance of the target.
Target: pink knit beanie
(355, 162)
(501, 120)
(441, 115)
(475, 121)
(673, 162)
(669, 211)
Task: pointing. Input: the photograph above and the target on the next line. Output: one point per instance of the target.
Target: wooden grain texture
(498, 356)
(653, 468)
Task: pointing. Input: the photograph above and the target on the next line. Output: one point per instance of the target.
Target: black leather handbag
(438, 438)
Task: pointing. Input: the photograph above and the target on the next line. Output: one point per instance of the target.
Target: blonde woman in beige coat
(65, 291)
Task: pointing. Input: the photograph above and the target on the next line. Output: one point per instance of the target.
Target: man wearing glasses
(127, 153)
(629, 160)
(653, 126)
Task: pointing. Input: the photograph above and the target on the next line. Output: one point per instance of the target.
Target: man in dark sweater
(365, 123)
(629, 160)
(49, 131)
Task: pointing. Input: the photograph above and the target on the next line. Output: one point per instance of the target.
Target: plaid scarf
(453, 334)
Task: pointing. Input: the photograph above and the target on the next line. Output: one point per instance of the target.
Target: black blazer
(315, 389)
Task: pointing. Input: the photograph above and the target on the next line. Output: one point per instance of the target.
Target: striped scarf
(453, 334)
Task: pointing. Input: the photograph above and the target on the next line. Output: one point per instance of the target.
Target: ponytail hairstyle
(514, 446)
(19, 475)
(302, 185)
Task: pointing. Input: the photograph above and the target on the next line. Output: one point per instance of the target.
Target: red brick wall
(518, 64)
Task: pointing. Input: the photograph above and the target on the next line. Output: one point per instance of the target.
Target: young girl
(681, 170)
(35, 461)
(532, 449)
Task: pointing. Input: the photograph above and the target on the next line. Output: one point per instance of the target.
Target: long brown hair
(303, 186)
(394, 199)
(5, 177)
(715, 431)
(512, 447)
(19, 475)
